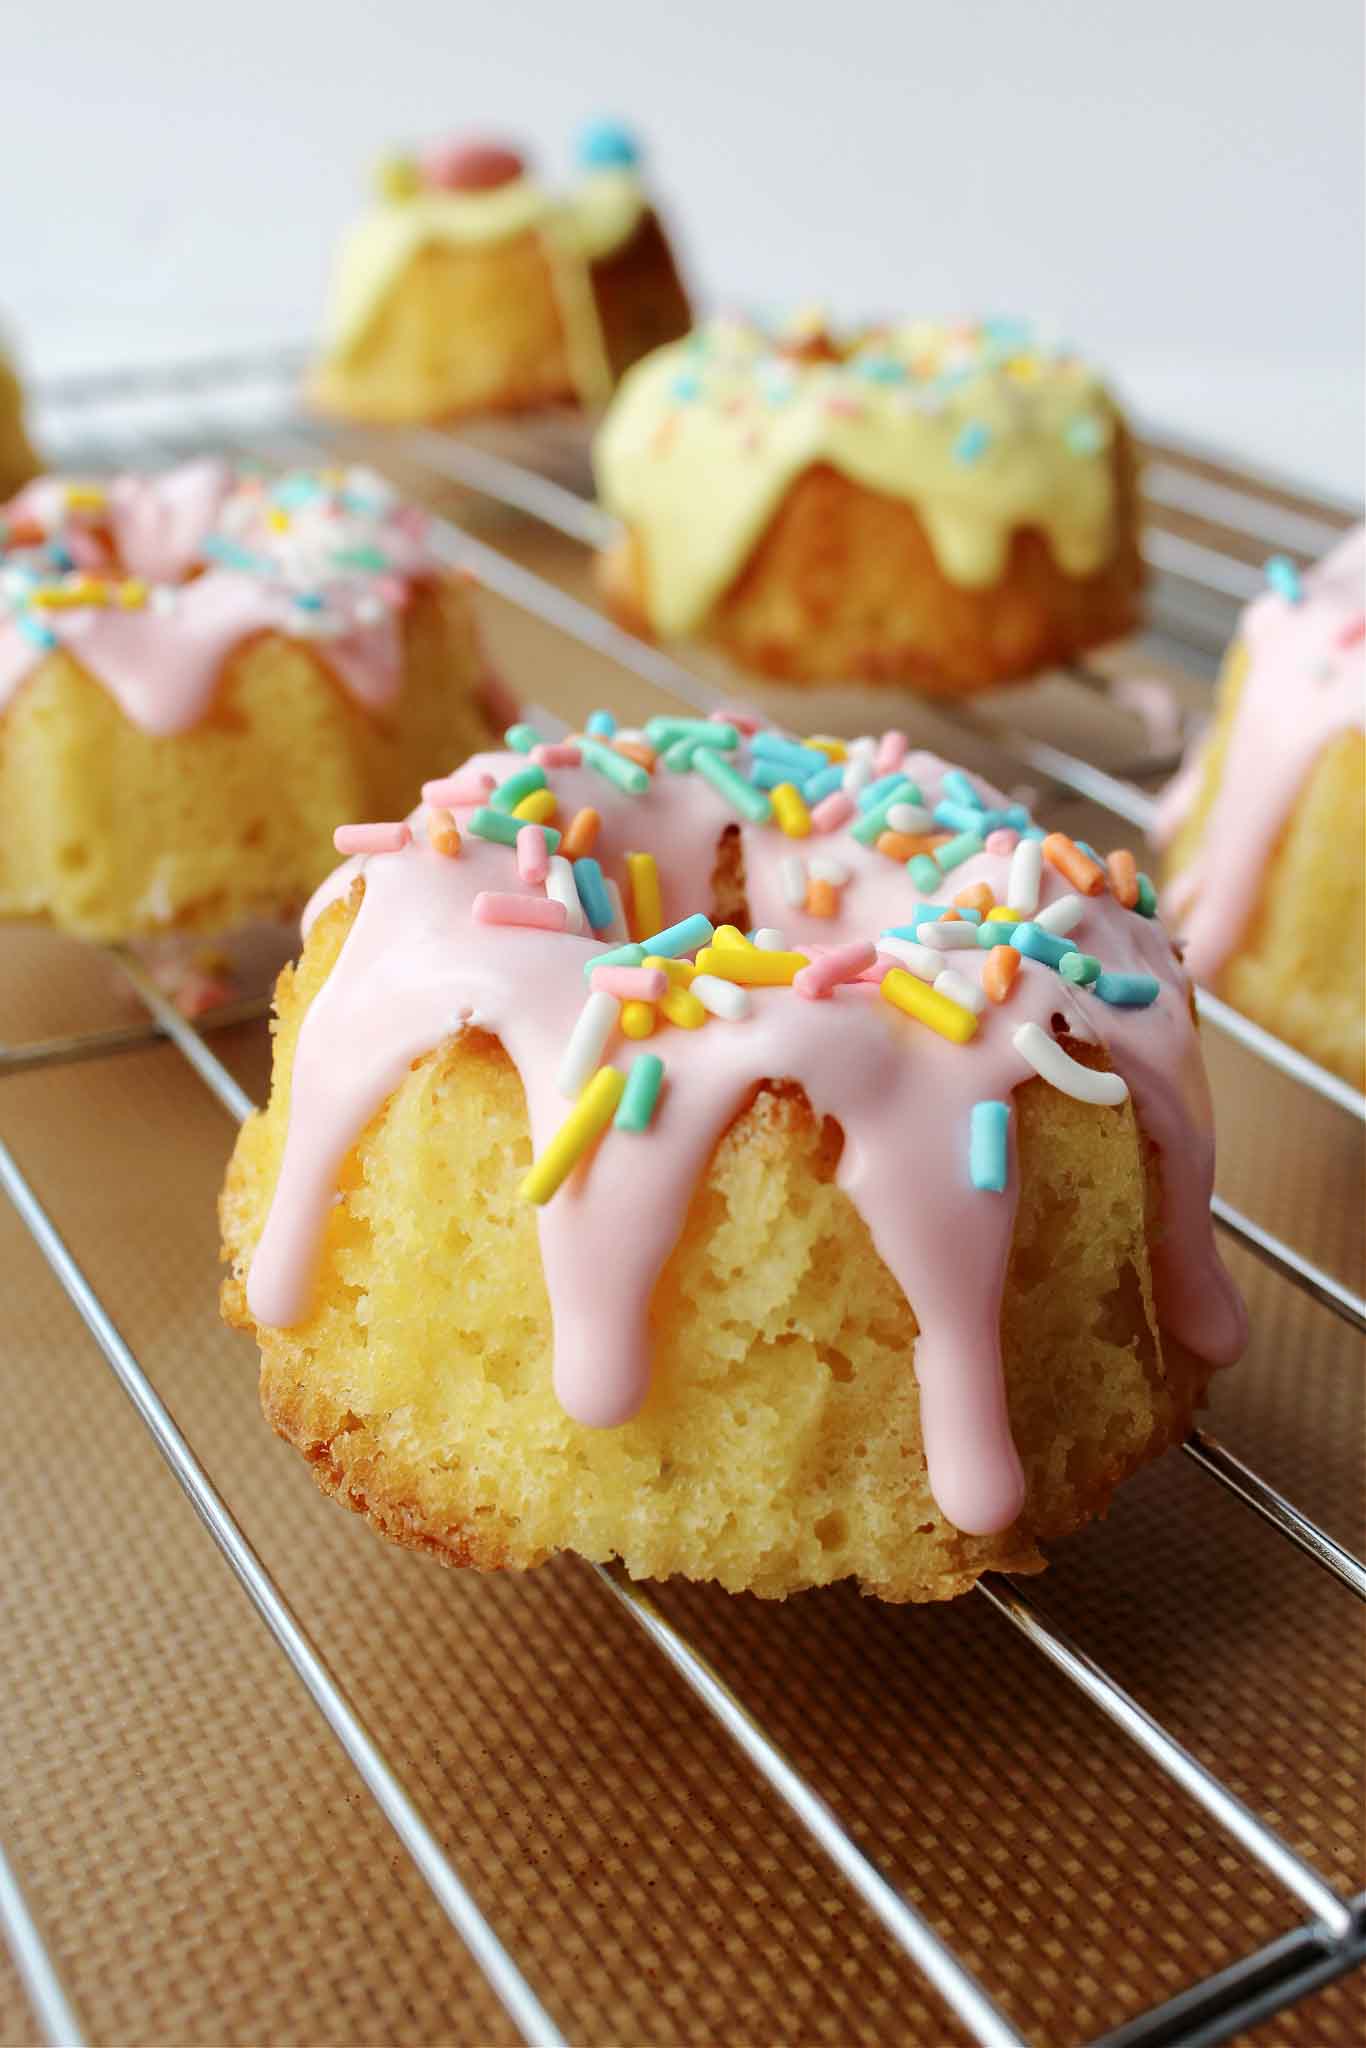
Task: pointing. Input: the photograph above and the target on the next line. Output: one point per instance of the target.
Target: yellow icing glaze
(979, 429)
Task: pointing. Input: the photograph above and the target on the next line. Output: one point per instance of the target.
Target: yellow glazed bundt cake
(17, 459)
(940, 507)
(200, 673)
(1265, 827)
(874, 1244)
(468, 287)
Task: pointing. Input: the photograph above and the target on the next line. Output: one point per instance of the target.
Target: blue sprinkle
(1084, 435)
(685, 387)
(959, 789)
(873, 822)
(1032, 831)
(872, 793)
(597, 904)
(1284, 579)
(308, 600)
(35, 631)
(1037, 944)
(824, 783)
(972, 442)
(62, 558)
(605, 145)
(768, 774)
(879, 369)
(684, 937)
(1089, 851)
(801, 760)
(961, 818)
(989, 1146)
(293, 491)
(601, 722)
(1009, 330)
(1128, 991)
(220, 549)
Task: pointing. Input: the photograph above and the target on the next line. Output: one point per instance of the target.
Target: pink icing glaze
(309, 572)
(1305, 684)
(416, 969)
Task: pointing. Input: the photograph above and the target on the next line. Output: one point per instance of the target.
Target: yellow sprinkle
(1001, 913)
(131, 594)
(680, 972)
(1024, 369)
(731, 935)
(85, 498)
(789, 808)
(637, 1020)
(682, 1007)
(833, 749)
(647, 903)
(62, 597)
(752, 968)
(277, 520)
(928, 1006)
(397, 177)
(579, 1132)
(538, 808)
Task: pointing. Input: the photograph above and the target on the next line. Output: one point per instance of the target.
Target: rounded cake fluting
(766, 1160)
(200, 672)
(469, 286)
(944, 507)
(1265, 825)
(17, 459)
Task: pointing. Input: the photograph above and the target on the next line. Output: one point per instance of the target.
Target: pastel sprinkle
(1000, 971)
(923, 871)
(922, 960)
(917, 999)
(534, 913)
(443, 835)
(803, 760)
(630, 984)
(1002, 841)
(684, 937)
(822, 868)
(1123, 872)
(678, 972)
(1067, 1075)
(1146, 905)
(537, 809)
(722, 998)
(843, 964)
(769, 939)
(960, 790)
(577, 1135)
(752, 968)
(638, 1020)
(909, 818)
(959, 989)
(822, 899)
(1284, 578)
(891, 751)
(873, 793)
(525, 782)
(601, 724)
(681, 1007)
(351, 839)
(627, 775)
(1074, 863)
(559, 754)
(617, 930)
(597, 904)
(581, 833)
(533, 855)
(789, 808)
(520, 739)
(958, 937)
(875, 816)
(1063, 915)
(620, 956)
(647, 902)
(742, 796)
(1038, 944)
(818, 787)
(958, 849)
(587, 1042)
(1082, 968)
(467, 786)
(641, 1093)
(832, 812)
(989, 1147)
(792, 876)
(561, 887)
(1026, 873)
(1128, 991)
(497, 825)
(972, 442)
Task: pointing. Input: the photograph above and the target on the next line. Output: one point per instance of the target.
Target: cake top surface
(1298, 665)
(981, 427)
(150, 582)
(909, 993)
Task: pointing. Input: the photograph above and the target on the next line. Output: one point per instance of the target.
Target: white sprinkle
(864, 748)
(1049, 1060)
(1060, 917)
(858, 773)
(959, 989)
(617, 932)
(369, 610)
(587, 1043)
(924, 964)
(949, 938)
(722, 998)
(559, 887)
(910, 818)
(822, 868)
(792, 873)
(1026, 866)
(770, 940)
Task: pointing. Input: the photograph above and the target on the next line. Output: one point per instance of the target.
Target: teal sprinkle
(989, 1146)
(308, 600)
(873, 793)
(961, 818)
(35, 631)
(521, 738)
(1284, 578)
(678, 757)
(996, 931)
(873, 822)
(295, 491)
(626, 775)
(706, 732)
(641, 1093)
(620, 956)
(741, 795)
(371, 559)
(960, 789)
(685, 387)
(958, 849)
(525, 782)
(1146, 905)
(1084, 435)
(1009, 331)
(922, 871)
(219, 548)
(1089, 851)
(1037, 944)
(602, 723)
(1082, 968)
(879, 369)
(972, 442)
(597, 904)
(823, 783)
(606, 145)
(487, 824)
(1128, 991)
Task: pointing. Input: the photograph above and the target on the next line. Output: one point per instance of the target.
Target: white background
(1176, 185)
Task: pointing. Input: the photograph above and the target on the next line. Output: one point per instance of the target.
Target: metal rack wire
(247, 407)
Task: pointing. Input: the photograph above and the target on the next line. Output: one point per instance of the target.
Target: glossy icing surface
(417, 968)
(1303, 668)
(151, 582)
(976, 427)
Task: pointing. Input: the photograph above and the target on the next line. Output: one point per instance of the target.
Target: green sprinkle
(487, 824)
(742, 796)
(923, 872)
(958, 849)
(874, 821)
(521, 738)
(620, 956)
(995, 931)
(627, 775)
(1079, 967)
(1146, 905)
(525, 782)
(711, 732)
(641, 1093)
(361, 558)
(677, 756)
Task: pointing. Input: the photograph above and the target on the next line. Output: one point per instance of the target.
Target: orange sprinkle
(822, 899)
(1077, 867)
(637, 751)
(1123, 876)
(582, 834)
(978, 897)
(999, 970)
(443, 835)
(901, 845)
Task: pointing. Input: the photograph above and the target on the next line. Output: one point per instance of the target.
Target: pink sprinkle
(533, 855)
(1354, 631)
(882, 965)
(466, 786)
(392, 589)
(632, 984)
(891, 749)
(559, 754)
(845, 963)
(736, 715)
(371, 838)
(833, 811)
(1002, 840)
(540, 913)
(843, 408)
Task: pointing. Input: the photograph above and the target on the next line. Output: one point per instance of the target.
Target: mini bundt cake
(1265, 826)
(468, 287)
(200, 673)
(940, 507)
(876, 1245)
(17, 460)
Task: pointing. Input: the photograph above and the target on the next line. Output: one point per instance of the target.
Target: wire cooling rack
(523, 532)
